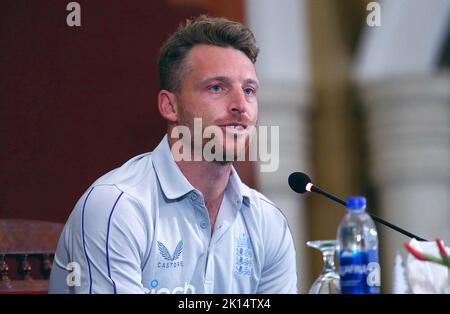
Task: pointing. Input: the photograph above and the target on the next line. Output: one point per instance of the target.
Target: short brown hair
(201, 30)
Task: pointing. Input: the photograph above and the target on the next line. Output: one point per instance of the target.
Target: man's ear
(167, 105)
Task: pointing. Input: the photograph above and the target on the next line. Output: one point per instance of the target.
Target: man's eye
(215, 88)
(249, 91)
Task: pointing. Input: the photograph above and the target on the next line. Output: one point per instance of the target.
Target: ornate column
(408, 128)
(280, 29)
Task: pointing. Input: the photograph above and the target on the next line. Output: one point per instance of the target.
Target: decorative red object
(441, 248)
(414, 252)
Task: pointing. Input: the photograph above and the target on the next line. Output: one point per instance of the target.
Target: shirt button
(194, 196)
(203, 224)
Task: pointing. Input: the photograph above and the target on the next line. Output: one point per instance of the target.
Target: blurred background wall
(362, 109)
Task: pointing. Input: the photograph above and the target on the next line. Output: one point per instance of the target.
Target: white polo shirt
(143, 228)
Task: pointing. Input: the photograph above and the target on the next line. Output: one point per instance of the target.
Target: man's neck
(210, 178)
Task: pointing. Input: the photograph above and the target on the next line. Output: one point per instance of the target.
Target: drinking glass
(328, 280)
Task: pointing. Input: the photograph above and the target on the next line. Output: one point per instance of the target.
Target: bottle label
(359, 272)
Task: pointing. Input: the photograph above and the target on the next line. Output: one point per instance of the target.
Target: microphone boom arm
(374, 217)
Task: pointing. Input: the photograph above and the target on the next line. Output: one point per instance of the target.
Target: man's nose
(238, 102)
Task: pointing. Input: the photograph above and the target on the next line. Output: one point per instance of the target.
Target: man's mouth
(234, 127)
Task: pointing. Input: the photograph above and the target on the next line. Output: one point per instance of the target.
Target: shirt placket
(205, 229)
(223, 223)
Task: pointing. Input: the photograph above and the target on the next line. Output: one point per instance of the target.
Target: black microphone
(301, 183)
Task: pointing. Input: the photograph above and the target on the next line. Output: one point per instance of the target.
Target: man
(162, 223)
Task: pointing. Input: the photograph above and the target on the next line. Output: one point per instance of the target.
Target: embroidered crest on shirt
(172, 259)
(243, 258)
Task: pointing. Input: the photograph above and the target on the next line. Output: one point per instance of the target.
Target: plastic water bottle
(359, 270)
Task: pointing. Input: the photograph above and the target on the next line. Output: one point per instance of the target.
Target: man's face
(219, 86)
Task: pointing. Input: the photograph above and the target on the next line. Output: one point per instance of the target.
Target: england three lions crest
(243, 256)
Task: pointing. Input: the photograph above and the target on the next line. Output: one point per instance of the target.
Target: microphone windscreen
(298, 181)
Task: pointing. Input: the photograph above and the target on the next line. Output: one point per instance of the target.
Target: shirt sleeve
(279, 272)
(104, 243)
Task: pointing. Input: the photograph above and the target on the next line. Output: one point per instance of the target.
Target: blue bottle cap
(356, 203)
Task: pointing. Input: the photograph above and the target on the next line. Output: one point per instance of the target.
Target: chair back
(27, 248)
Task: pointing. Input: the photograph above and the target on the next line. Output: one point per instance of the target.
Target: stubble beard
(187, 120)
